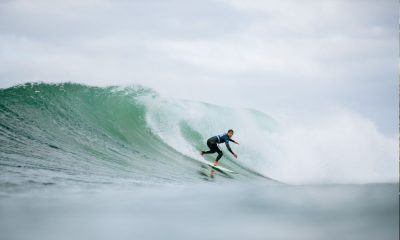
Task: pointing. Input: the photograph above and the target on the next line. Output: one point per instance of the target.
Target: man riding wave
(213, 142)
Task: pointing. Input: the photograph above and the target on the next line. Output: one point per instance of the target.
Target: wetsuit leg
(213, 147)
(207, 152)
(219, 154)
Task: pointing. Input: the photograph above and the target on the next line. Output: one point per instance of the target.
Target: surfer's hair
(230, 130)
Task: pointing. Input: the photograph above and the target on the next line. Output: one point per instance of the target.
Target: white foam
(341, 147)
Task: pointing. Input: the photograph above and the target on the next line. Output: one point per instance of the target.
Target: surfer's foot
(216, 163)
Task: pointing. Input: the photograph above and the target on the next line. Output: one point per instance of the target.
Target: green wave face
(74, 132)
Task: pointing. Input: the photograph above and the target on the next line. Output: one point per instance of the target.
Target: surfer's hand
(237, 143)
(235, 155)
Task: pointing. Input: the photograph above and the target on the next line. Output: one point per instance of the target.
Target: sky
(297, 61)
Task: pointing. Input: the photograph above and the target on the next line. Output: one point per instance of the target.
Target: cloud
(278, 56)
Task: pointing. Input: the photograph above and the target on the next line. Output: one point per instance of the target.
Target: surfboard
(219, 168)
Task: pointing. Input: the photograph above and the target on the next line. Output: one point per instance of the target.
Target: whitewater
(87, 162)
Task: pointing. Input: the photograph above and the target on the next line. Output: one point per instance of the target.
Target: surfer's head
(230, 133)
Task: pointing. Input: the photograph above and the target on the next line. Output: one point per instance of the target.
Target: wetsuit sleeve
(228, 147)
(232, 140)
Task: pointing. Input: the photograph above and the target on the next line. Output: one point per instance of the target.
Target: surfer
(213, 142)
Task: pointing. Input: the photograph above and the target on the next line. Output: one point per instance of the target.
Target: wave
(84, 133)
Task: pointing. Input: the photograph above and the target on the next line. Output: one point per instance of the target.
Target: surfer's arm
(233, 141)
(229, 148)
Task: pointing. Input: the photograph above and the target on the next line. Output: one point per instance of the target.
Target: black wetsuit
(213, 142)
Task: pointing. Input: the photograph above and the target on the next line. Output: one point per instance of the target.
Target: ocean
(86, 162)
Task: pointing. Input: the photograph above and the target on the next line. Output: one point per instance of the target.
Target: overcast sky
(290, 59)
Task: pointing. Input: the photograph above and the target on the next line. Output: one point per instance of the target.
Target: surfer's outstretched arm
(230, 139)
(229, 149)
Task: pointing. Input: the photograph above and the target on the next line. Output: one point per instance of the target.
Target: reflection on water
(204, 211)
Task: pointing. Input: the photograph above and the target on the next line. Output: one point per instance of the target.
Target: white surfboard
(219, 168)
